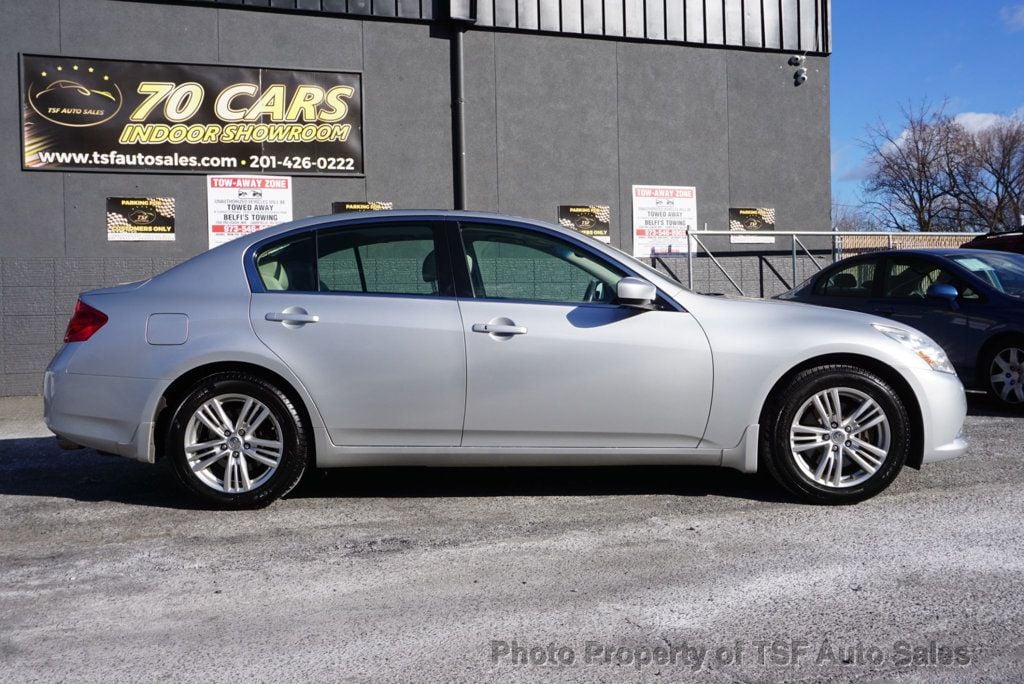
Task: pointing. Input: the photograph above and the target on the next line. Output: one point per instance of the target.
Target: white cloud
(975, 122)
(1013, 16)
(860, 172)
(850, 170)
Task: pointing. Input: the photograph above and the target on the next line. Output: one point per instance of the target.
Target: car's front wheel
(237, 441)
(1003, 365)
(835, 434)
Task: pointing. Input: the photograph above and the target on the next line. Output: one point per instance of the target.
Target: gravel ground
(597, 574)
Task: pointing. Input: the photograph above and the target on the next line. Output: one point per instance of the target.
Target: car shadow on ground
(689, 481)
(980, 404)
(37, 467)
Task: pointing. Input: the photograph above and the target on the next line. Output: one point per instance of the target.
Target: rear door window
(403, 259)
(854, 280)
(393, 259)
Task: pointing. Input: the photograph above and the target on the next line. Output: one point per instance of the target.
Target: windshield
(644, 268)
(1004, 272)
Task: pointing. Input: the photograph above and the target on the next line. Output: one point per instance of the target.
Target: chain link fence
(713, 265)
(852, 244)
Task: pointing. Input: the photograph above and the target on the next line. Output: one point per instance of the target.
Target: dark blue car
(969, 301)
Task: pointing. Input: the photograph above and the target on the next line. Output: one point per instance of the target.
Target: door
(904, 298)
(554, 362)
(366, 319)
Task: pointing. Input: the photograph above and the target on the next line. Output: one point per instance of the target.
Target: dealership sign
(89, 114)
(752, 225)
(131, 219)
(590, 219)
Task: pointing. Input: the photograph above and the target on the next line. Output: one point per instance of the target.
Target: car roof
(945, 252)
(314, 222)
(237, 248)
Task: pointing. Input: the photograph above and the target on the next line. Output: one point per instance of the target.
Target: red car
(1003, 242)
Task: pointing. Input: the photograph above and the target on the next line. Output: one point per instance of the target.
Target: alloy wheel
(233, 443)
(840, 437)
(1007, 375)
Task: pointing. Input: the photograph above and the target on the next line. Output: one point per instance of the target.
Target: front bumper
(943, 409)
(98, 411)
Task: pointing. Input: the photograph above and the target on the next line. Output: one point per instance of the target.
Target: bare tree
(848, 218)
(909, 185)
(987, 174)
(937, 175)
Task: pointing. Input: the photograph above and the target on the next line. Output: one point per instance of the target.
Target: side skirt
(742, 457)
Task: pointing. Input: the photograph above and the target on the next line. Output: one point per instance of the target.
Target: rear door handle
(885, 311)
(286, 317)
(499, 329)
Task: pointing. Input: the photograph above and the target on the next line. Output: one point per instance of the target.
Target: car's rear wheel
(835, 434)
(237, 441)
(1003, 365)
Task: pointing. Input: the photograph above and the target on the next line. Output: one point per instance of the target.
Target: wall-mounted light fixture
(800, 75)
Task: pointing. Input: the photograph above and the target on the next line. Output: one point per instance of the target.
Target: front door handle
(292, 317)
(499, 329)
(885, 311)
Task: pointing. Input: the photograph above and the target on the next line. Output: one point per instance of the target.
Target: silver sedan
(467, 339)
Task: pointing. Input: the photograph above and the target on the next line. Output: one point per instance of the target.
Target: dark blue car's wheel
(1004, 369)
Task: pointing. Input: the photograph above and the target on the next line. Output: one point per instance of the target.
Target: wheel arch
(176, 391)
(880, 368)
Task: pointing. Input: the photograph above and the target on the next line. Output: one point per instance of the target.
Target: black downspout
(461, 15)
(458, 115)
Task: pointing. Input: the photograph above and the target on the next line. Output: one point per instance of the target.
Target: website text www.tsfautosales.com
(697, 656)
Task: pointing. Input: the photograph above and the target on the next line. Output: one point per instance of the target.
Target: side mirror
(944, 291)
(636, 293)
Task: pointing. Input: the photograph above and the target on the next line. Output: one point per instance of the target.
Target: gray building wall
(550, 120)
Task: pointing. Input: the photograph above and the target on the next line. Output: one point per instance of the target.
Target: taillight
(84, 322)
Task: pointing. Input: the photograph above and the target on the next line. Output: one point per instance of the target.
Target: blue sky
(887, 53)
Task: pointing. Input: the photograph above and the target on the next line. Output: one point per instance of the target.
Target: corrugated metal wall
(799, 25)
(796, 25)
(402, 9)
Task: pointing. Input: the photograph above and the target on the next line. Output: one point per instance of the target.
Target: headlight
(930, 352)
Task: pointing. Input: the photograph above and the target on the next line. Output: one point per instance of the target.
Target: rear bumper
(99, 411)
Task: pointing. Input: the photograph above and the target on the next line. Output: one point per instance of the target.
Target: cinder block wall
(551, 120)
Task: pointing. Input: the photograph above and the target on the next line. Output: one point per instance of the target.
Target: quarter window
(290, 265)
(508, 263)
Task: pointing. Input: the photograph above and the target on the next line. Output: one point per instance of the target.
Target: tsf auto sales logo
(74, 94)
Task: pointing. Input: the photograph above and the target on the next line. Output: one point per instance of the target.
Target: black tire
(294, 439)
(987, 370)
(777, 455)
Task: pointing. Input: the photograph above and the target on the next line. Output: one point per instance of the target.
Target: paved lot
(107, 573)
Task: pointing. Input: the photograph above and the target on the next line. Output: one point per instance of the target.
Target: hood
(798, 317)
